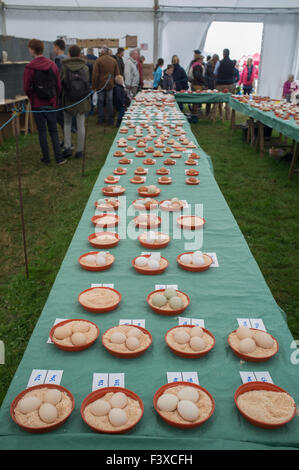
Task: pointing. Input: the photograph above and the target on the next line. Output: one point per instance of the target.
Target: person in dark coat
(210, 77)
(119, 59)
(120, 98)
(179, 75)
(168, 82)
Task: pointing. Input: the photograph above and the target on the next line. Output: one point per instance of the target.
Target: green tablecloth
(288, 128)
(219, 296)
(197, 98)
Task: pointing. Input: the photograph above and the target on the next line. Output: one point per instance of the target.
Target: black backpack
(76, 85)
(45, 84)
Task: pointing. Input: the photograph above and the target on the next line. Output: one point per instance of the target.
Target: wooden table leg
(261, 132)
(257, 142)
(233, 120)
(252, 135)
(294, 160)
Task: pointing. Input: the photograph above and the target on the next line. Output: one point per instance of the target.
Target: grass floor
(264, 202)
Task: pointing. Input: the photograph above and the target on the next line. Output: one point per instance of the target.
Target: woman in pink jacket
(247, 76)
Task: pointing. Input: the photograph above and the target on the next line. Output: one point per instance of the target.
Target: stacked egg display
(252, 344)
(168, 301)
(189, 341)
(147, 264)
(183, 405)
(126, 340)
(110, 411)
(194, 261)
(95, 261)
(74, 335)
(42, 408)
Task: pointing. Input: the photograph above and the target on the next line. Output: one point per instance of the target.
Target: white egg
(62, 332)
(188, 393)
(142, 218)
(244, 332)
(53, 396)
(141, 261)
(83, 327)
(197, 343)
(100, 259)
(135, 332)
(167, 402)
(117, 417)
(198, 260)
(175, 199)
(132, 343)
(264, 340)
(247, 345)
(198, 253)
(28, 404)
(118, 400)
(161, 238)
(78, 339)
(151, 189)
(196, 331)
(155, 256)
(188, 410)
(90, 259)
(47, 413)
(153, 264)
(150, 237)
(117, 337)
(166, 203)
(186, 259)
(176, 302)
(181, 336)
(100, 407)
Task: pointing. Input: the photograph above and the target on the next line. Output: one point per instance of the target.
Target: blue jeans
(105, 97)
(43, 121)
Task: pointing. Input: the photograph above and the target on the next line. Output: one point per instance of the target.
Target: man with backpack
(59, 51)
(75, 79)
(42, 86)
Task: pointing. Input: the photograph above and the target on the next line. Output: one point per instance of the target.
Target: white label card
(99, 380)
(166, 286)
(184, 321)
(215, 263)
(247, 377)
(256, 376)
(244, 322)
(139, 323)
(174, 377)
(117, 380)
(103, 285)
(53, 377)
(191, 377)
(125, 322)
(263, 377)
(191, 321)
(58, 320)
(257, 323)
(37, 377)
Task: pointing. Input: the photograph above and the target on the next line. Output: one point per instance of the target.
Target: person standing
(140, 69)
(42, 86)
(104, 67)
(179, 75)
(90, 55)
(120, 98)
(290, 89)
(132, 77)
(59, 51)
(247, 77)
(210, 77)
(225, 72)
(75, 87)
(158, 72)
(168, 82)
(120, 61)
(196, 77)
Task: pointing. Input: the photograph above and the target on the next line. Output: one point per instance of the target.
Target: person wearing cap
(196, 76)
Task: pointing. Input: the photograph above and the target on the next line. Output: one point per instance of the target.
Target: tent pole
(156, 30)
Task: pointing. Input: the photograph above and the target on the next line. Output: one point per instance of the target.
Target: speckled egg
(176, 303)
(159, 300)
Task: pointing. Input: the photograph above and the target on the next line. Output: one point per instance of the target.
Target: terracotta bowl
(248, 357)
(72, 348)
(194, 354)
(129, 354)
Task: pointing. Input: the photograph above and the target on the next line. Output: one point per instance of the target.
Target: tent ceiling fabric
(180, 30)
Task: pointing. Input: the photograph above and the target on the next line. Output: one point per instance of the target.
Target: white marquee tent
(167, 26)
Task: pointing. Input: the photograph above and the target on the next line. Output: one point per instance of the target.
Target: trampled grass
(262, 199)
